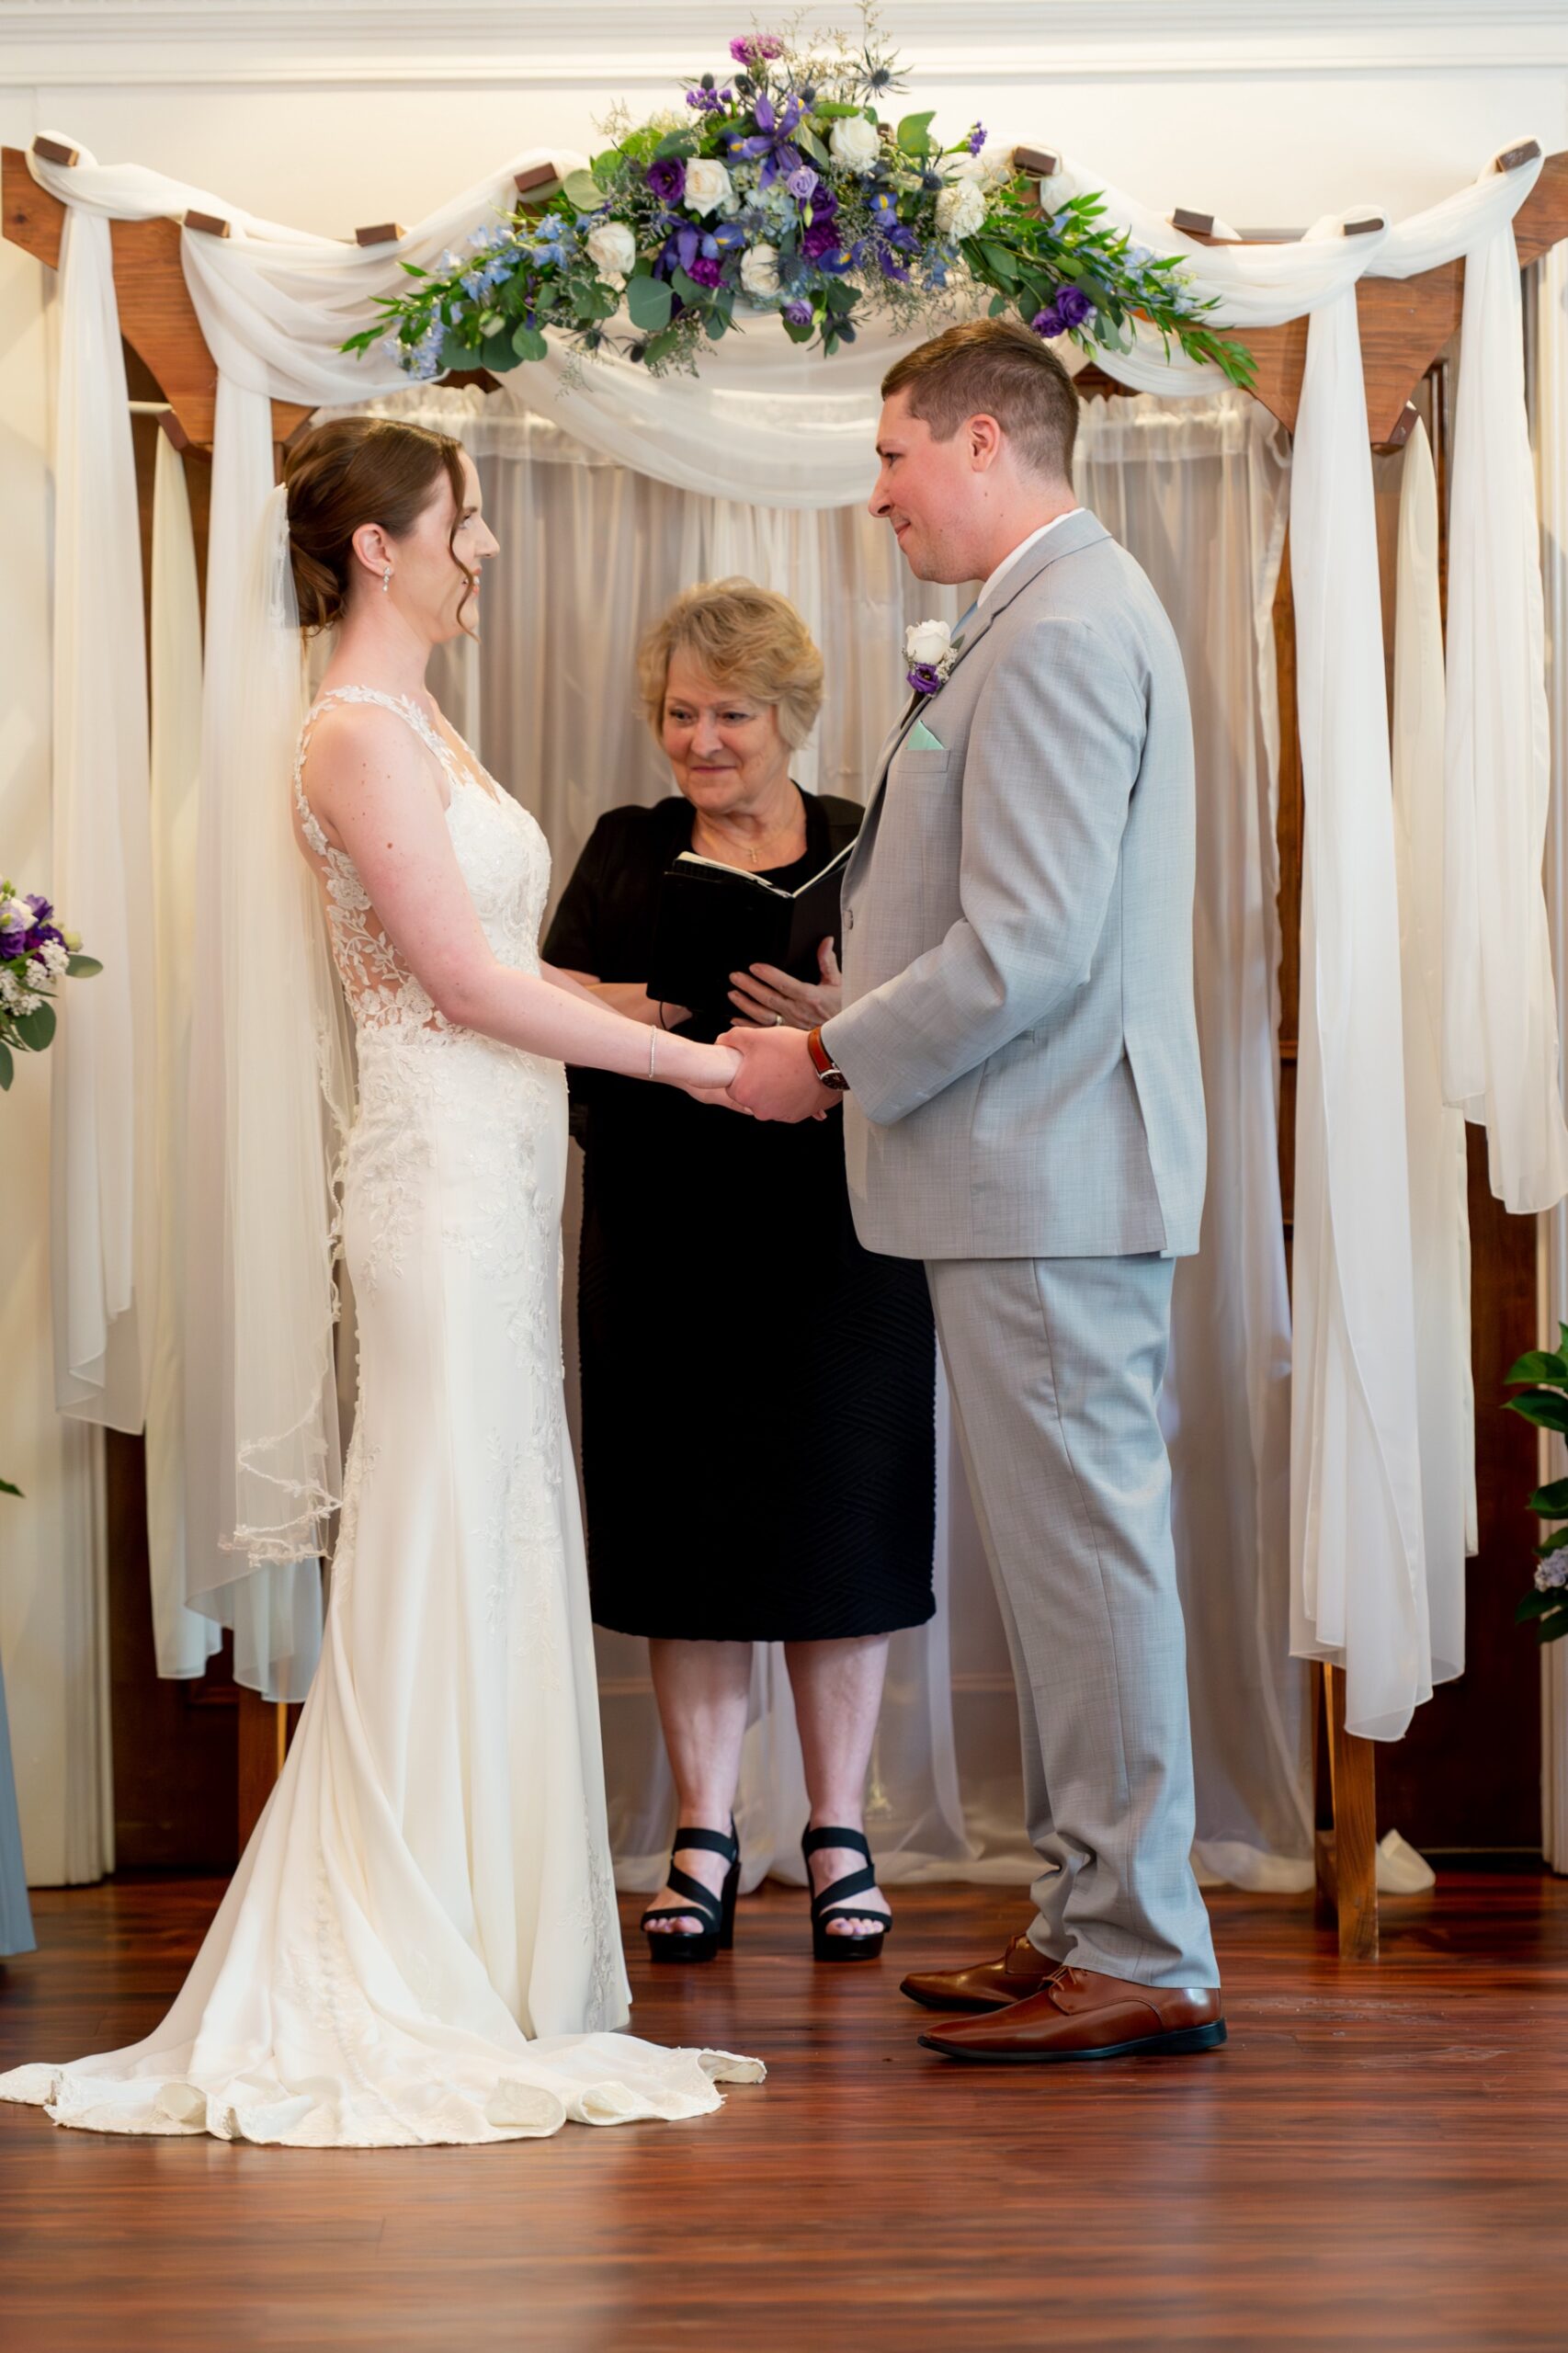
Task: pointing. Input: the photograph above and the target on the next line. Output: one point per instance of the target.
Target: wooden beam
(157, 317)
(1346, 1838)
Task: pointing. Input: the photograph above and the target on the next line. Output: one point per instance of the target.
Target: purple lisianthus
(41, 907)
(924, 679)
(1072, 305)
(703, 272)
(666, 177)
(798, 313)
(803, 183)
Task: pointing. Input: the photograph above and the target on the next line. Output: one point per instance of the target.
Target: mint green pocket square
(922, 739)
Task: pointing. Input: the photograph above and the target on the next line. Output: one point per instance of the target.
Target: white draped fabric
(770, 426)
(1439, 1212)
(183, 1639)
(1549, 388)
(103, 1219)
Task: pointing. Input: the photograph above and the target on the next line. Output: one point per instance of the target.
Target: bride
(420, 1943)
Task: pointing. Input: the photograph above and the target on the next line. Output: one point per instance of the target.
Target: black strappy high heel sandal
(832, 1904)
(717, 1913)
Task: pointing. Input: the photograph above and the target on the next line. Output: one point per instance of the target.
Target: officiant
(723, 1297)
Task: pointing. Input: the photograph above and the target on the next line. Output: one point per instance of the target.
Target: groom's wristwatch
(826, 1069)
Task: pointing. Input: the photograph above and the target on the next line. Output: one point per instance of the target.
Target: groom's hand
(776, 1080)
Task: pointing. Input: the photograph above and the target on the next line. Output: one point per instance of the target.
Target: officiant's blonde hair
(745, 638)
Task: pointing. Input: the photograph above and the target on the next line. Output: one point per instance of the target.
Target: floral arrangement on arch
(781, 188)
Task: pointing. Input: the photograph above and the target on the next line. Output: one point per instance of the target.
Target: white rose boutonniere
(855, 143)
(759, 269)
(960, 209)
(707, 185)
(612, 249)
(928, 650)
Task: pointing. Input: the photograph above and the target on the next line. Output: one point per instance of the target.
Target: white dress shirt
(1024, 545)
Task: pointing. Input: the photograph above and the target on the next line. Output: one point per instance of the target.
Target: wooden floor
(1378, 2158)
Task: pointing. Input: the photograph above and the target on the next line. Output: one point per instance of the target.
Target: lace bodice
(501, 853)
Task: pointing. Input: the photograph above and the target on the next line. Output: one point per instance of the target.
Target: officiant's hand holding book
(717, 925)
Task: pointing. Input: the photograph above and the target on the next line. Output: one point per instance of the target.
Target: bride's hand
(711, 1084)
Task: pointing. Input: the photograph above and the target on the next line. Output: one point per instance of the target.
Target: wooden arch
(1406, 324)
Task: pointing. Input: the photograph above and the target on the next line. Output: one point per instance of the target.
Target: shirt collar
(1021, 549)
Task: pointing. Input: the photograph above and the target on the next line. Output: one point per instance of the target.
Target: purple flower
(798, 313)
(923, 678)
(1049, 323)
(40, 906)
(820, 240)
(703, 272)
(1072, 306)
(752, 48)
(802, 183)
(666, 177)
(710, 101)
(977, 139)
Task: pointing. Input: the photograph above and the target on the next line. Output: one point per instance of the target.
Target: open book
(714, 920)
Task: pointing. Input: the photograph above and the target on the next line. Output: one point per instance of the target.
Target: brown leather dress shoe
(986, 1985)
(1078, 2014)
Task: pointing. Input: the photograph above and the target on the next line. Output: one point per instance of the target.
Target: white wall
(360, 111)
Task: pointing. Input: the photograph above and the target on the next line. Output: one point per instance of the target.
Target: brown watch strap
(826, 1069)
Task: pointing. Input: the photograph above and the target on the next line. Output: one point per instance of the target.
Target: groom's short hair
(994, 367)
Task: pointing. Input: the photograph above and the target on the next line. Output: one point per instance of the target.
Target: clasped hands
(776, 1079)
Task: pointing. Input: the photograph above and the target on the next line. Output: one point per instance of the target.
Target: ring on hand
(779, 1021)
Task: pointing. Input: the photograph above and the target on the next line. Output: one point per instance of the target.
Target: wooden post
(263, 1744)
(1345, 1780)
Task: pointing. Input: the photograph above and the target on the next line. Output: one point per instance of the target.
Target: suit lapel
(1078, 529)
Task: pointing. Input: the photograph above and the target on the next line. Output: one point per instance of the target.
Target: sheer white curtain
(1197, 489)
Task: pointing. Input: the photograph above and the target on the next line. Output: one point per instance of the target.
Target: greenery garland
(781, 189)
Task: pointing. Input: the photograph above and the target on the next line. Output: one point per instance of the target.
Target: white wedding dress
(421, 1943)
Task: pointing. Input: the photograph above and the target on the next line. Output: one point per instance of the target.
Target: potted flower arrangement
(1540, 1375)
(780, 188)
(36, 954)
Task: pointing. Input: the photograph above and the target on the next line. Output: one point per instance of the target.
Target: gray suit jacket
(1018, 1030)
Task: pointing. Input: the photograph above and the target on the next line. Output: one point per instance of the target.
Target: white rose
(612, 249)
(988, 170)
(707, 185)
(927, 642)
(854, 141)
(759, 269)
(960, 209)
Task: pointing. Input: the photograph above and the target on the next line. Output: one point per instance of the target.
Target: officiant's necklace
(753, 854)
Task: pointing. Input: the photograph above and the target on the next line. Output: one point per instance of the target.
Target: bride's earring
(386, 578)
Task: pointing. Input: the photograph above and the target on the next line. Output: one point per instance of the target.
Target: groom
(1024, 1111)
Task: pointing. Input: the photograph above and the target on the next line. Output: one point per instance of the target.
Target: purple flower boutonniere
(928, 649)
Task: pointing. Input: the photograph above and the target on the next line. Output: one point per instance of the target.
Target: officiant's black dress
(758, 1390)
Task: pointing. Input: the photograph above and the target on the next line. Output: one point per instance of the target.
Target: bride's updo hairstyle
(354, 471)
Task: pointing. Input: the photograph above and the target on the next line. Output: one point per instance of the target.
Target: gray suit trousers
(1055, 1365)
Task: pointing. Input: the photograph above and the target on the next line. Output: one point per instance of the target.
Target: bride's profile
(420, 1943)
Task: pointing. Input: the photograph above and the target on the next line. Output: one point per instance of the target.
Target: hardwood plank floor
(1378, 2158)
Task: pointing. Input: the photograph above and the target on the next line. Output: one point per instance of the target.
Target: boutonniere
(928, 649)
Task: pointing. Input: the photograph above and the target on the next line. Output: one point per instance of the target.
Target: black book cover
(714, 920)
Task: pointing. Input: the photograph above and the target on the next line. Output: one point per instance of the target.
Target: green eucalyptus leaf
(82, 968)
(913, 135)
(7, 1067)
(528, 343)
(799, 334)
(675, 143)
(658, 345)
(648, 300)
(999, 260)
(695, 297)
(35, 1030)
(716, 323)
(997, 305)
(582, 190)
(455, 353)
(494, 353)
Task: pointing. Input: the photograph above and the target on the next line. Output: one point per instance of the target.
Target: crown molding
(83, 43)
